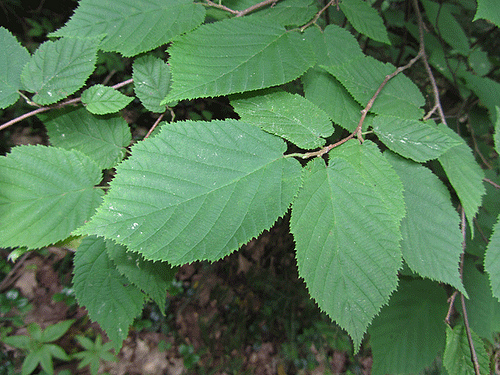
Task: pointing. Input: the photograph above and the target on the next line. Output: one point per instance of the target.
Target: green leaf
(365, 19)
(496, 136)
(492, 260)
(45, 193)
(151, 81)
(483, 309)
(101, 100)
(456, 358)
(489, 10)
(465, 175)
(290, 12)
(362, 77)
(31, 362)
(236, 55)
(56, 331)
(409, 333)
(198, 190)
(286, 115)
(19, 341)
(152, 278)
(413, 139)
(13, 57)
(130, 27)
(431, 234)
(487, 90)
(108, 297)
(58, 69)
(57, 352)
(102, 138)
(347, 237)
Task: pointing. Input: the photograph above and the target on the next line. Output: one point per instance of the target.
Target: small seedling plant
(392, 195)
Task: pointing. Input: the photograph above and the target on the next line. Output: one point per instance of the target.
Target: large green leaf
(152, 278)
(290, 12)
(347, 236)
(197, 190)
(236, 55)
(489, 10)
(130, 26)
(365, 19)
(363, 75)
(109, 298)
(103, 138)
(287, 115)
(465, 175)
(492, 260)
(413, 139)
(151, 81)
(58, 69)
(431, 234)
(101, 100)
(13, 57)
(409, 333)
(45, 193)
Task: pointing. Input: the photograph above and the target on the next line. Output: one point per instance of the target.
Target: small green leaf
(101, 100)
(45, 193)
(409, 333)
(102, 138)
(432, 240)
(56, 331)
(130, 27)
(489, 10)
(197, 190)
(487, 90)
(290, 12)
(58, 69)
(31, 362)
(416, 140)
(20, 341)
(365, 20)
(108, 297)
(286, 115)
(151, 81)
(13, 57)
(236, 55)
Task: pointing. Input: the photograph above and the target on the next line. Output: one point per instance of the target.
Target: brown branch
(222, 7)
(56, 106)
(329, 4)
(244, 12)
(495, 185)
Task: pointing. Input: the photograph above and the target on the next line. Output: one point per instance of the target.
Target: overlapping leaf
(236, 55)
(492, 260)
(130, 27)
(416, 140)
(408, 335)
(101, 100)
(58, 69)
(197, 191)
(362, 77)
(365, 20)
(108, 296)
(45, 193)
(347, 237)
(432, 240)
(102, 138)
(289, 116)
(489, 10)
(151, 81)
(13, 57)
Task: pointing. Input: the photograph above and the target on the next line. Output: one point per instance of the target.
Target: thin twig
(155, 125)
(222, 7)
(330, 3)
(451, 301)
(495, 185)
(255, 7)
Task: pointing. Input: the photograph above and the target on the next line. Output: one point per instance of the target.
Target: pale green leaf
(363, 76)
(496, 136)
(409, 333)
(109, 298)
(13, 57)
(483, 309)
(465, 175)
(413, 139)
(456, 358)
(236, 55)
(432, 240)
(347, 240)
(286, 115)
(130, 26)
(58, 69)
(152, 278)
(103, 138)
(489, 10)
(446, 26)
(151, 81)
(198, 190)
(492, 260)
(290, 12)
(45, 193)
(365, 19)
(101, 100)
